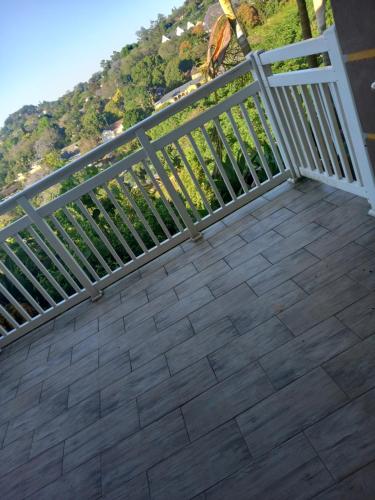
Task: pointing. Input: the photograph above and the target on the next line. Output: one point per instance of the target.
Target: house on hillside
(179, 31)
(177, 93)
(113, 131)
(165, 39)
(70, 151)
(189, 25)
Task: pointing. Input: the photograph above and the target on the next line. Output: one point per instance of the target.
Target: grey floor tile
(226, 400)
(289, 411)
(239, 298)
(201, 344)
(15, 454)
(96, 309)
(200, 465)
(217, 253)
(20, 404)
(61, 344)
(282, 271)
(333, 241)
(368, 239)
(164, 301)
(171, 280)
(365, 274)
(142, 450)
(292, 471)
(235, 228)
(248, 316)
(133, 336)
(202, 278)
(360, 316)
(70, 375)
(275, 204)
(33, 475)
(100, 378)
(128, 305)
(360, 485)
(309, 350)
(313, 198)
(66, 424)
(345, 440)
(348, 214)
(265, 225)
(11, 370)
(354, 369)
(141, 284)
(322, 304)
(175, 391)
(249, 347)
(194, 252)
(101, 435)
(297, 240)
(160, 343)
(333, 267)
(3, 430)
(26, 422)
(129, 387)
(303, 218)
(235, 277)
(183, 308)
(135, 489)
(83, 483)
(45, 371)
(250, 250)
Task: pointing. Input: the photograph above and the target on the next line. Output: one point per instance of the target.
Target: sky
(48, 46)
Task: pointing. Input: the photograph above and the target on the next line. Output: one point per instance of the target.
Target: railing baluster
(150, 205)
(218, 163)
(29, 275)
(326, 132)
(181, 185)
(306, 128)
(99, 232)
(335, 129)
(112, 225)
(59, 248)
(12, 321)
(125, 219)
(267, 130)
(205, 169)
(244, 150)
(34, 258)
(230, 155)
(146, 144)
(74, 248)
(193, 178)
(136, 209)
(15, 303)
(316, 129)
(163, 198)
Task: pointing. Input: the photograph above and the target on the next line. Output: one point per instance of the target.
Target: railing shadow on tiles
(175, 184)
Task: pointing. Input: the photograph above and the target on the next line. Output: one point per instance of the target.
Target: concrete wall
(355, 25)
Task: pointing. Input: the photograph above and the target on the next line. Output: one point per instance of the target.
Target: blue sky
(48, 46)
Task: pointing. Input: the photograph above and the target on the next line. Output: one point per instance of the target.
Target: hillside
(38, 139)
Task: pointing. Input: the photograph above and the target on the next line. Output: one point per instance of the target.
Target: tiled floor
(239, 367)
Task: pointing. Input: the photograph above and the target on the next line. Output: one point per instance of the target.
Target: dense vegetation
(125, 89)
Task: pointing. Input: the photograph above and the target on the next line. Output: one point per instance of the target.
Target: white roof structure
(189, 25)
(179, 31)
(165, 39)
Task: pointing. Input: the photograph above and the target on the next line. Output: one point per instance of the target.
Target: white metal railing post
(351, 116)
(259, 73)
(59, 248)
(147, 145)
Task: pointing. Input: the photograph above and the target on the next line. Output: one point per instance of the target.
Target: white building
(189, 25)
(179, 31)
(165, 39)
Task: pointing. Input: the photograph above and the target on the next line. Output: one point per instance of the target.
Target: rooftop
(240, 363)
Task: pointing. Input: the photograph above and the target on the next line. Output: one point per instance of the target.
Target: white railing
(174, 186)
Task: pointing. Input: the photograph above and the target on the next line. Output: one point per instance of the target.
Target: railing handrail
(130, 134)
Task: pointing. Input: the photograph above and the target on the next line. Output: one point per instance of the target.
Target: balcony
(239, 365)
(161, 341)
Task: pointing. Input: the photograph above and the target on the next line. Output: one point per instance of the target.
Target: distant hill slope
(124, 89)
